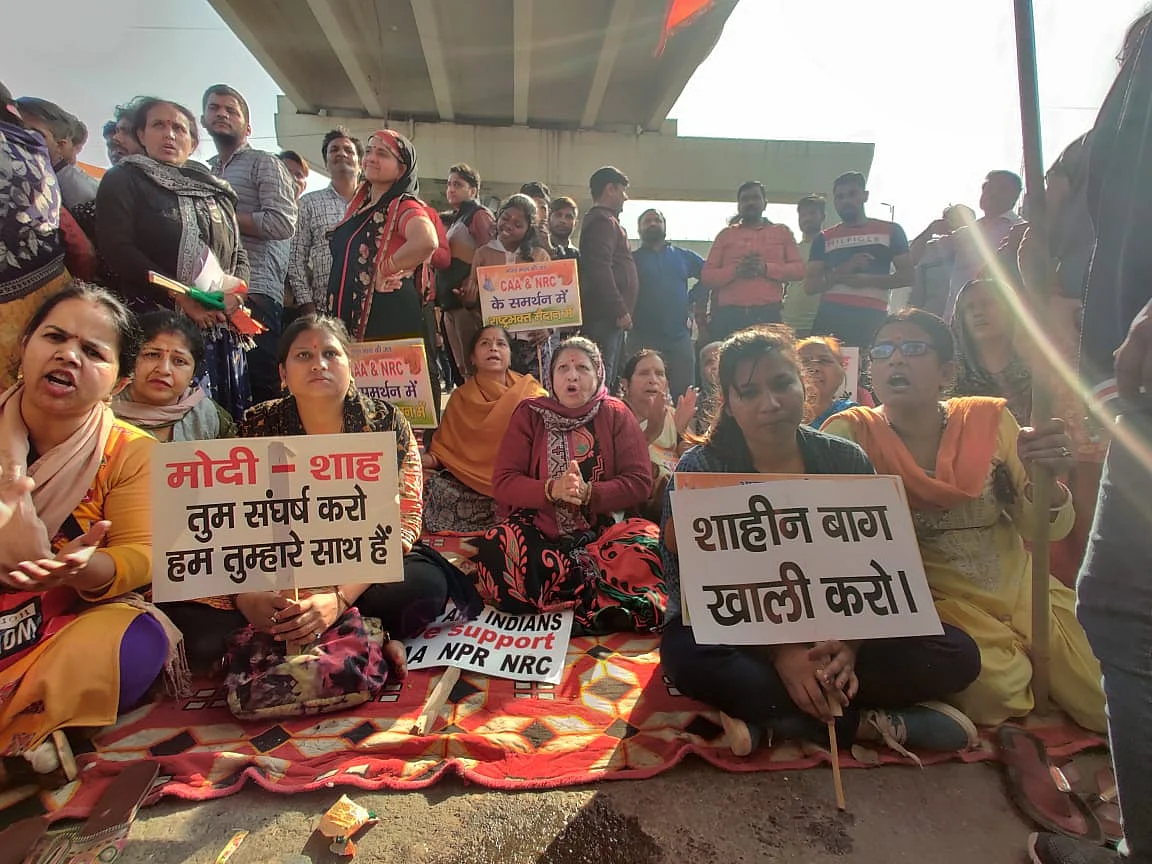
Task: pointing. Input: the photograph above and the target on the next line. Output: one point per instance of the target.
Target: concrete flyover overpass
(521, 89)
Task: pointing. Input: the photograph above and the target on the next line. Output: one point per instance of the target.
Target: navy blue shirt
(662, 303)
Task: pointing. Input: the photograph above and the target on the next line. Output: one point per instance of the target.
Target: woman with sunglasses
(967, 469)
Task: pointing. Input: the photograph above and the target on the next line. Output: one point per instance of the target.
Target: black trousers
(404, 609)
(743, 683)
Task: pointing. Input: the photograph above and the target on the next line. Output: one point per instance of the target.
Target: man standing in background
(310, 263)
(748, 266)
(470, 227)
(661, 317)
(266, 211)
(855, 265)
(561, 226)
(608, 281)
(800, 307)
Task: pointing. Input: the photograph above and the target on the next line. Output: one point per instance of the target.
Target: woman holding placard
(823, 366)
(884, 687)
(567, 465)
(163, 397)
(75, 546)
(966, 466)
(517, 241)
(644, 387)
(458, 482)
(322, 400)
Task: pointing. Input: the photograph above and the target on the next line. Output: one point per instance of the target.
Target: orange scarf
(474, 424)
(962, 462)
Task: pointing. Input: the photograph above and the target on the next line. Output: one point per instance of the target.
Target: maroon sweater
(608, 280)
(520, 475)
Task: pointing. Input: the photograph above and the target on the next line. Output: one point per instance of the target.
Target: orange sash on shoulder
(962, 463)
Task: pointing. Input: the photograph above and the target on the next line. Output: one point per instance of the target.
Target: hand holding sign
(262, 608)
(837, 672)
(305, 619)
(800, 675)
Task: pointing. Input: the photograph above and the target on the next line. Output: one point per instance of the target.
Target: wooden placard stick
(291, 648)
(834, 747)
(436, 700)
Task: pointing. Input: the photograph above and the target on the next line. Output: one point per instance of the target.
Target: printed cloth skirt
(449, 505)
(613, 581)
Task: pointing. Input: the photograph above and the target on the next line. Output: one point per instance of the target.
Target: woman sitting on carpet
(644, 387)
(458, 482)
(323, 399)
(163, 398)
(967, 468)
(823, 366)
(568, 462)
(883, 685)
(74, 548)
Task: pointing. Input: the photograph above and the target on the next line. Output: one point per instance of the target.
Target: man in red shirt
(749, 263)
(855, 265)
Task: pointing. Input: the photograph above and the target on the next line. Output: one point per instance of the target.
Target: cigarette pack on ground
(343, 819)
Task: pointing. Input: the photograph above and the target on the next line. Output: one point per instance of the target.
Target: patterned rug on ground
(613, 716)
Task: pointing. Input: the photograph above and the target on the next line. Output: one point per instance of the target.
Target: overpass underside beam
(660, 166)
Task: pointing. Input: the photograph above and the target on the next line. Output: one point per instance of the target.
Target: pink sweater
(518, 479)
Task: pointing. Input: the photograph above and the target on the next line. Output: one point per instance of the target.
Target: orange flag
(680, 13)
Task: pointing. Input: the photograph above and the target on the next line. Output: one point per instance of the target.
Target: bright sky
(936, 92)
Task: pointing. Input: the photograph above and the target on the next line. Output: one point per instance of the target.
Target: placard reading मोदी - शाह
(804, 560)
(274, 514)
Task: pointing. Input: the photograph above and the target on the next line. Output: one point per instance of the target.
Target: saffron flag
(680, 13)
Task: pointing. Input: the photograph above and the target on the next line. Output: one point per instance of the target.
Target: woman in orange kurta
(74, 548)
(458, 482)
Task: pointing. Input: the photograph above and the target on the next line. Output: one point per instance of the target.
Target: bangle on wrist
(341, 600)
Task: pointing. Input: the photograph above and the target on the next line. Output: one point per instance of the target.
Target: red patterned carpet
(613, 716)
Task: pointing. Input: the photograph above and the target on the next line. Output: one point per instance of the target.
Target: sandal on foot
(1039, 789)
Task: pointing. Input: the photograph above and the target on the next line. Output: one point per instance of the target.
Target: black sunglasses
(911, 348)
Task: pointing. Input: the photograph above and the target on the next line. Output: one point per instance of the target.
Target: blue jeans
(1115, 607)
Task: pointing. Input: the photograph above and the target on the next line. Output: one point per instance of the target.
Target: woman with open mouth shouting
(568, 464)
(967, 469)
(77, 644)
(458, 466)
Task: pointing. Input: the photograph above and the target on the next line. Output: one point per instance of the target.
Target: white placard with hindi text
(791, 561)
(237, 516)
(523, 647)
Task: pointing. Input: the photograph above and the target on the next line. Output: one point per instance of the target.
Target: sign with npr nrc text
(396, 372)
(523, 647)
(535, 295)
(801, 560)
(236, 516)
